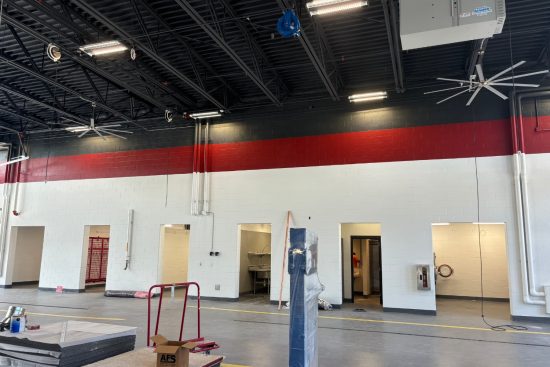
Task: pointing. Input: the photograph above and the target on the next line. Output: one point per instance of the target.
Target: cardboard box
(172, 353)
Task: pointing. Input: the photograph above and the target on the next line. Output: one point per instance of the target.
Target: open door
(174, 253)
(29, 242)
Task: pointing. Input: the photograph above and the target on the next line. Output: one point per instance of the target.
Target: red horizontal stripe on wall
(485, 138)
(145, 162)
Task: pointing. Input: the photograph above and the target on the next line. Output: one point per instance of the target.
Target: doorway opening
(97, 239)
(361, 247)
(458, 271)
(255, 261)
(174, 253)
(28, 244)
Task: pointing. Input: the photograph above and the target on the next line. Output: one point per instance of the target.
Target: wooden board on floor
(145, 357)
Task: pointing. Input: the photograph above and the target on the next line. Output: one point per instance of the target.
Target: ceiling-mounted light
(53, 52)
(103, 48)
(15, 160)
(206, 115)
(441, 224)
(366, 97)
(321, 7)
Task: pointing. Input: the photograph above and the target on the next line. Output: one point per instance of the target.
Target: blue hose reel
(288, 25)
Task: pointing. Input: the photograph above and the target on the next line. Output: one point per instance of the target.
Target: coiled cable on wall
(447, 272)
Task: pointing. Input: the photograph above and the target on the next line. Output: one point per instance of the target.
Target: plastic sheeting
(305, 288)
(71, 343)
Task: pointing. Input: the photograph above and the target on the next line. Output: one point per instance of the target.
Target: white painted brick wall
(404, 197)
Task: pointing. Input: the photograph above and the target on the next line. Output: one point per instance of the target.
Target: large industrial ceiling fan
(98, 130)
(478, 82)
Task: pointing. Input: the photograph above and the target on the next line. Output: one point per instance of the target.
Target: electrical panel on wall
(423, 278)
(426, 23)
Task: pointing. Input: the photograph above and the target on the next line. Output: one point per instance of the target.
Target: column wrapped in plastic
(304, 294)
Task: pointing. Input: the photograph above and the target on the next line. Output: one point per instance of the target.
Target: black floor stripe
(407, 334)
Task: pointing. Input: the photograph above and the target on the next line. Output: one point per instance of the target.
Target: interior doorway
(361, 245)
(174, 253)
(255, 260)
(28, 244)
(460, 250)
(97, 239)
(366, 259)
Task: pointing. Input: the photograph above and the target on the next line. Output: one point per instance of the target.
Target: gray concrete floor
(253, 333)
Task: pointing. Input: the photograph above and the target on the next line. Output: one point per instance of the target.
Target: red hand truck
(203, 346)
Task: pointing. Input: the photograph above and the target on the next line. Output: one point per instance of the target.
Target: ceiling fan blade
(506, 70)
(480, 73)
(446, 89)
(454, 80)
(474, 96)
(116, 131)
(113, 134)
(516, 85)
(522, 75)
(84, 133)
(453, 96)
(503, 96)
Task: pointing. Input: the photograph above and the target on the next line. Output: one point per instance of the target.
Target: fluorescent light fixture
(206, 115)
(103, 48)
(366, 97)
(441, 224)
(15, 160)
(321, 7)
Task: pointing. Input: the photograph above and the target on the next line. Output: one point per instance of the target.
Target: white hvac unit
(427, 23)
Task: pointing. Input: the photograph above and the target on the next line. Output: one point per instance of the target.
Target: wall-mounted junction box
(423, 278)
(427, 23)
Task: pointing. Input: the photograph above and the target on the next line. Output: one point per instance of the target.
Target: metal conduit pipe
(129, 235)
(527, 227)
(197, 180)
(194, 175)
(4, 217)
(206, 175)
(521, 235)
(522, 198)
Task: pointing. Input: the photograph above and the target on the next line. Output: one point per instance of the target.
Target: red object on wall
(98, 252)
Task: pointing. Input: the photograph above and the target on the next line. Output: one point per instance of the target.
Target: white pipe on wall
(129, 234)
(528, 238)
(521, 233)
(196, 175)
(5, 215)
(206, 175)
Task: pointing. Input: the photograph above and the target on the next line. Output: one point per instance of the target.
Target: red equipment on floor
(203, 346)
(98, 252)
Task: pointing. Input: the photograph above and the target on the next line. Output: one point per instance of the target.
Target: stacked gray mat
(65, 344)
